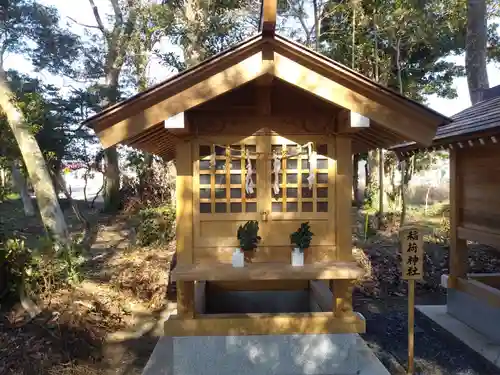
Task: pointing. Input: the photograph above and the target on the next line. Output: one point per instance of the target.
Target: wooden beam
(459, 256)
(185, 299)
(342, 297)
(184, 225)
(357, 83)
(152, 132)
(351, 122)
(201, 92)
(400, 123)
(485, 237)
(481, 291)
(268, 271)
(174, 122)
(200, 289)
(263, 93)
(321, 294)
(491, 279)
(270, 8)
(265, 324)
(343, 198)
(257, 285)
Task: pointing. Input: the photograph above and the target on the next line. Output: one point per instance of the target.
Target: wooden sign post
(412, 253)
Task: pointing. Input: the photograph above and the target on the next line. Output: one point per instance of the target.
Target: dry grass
(143, 273)
(121, 285)
(73, 369)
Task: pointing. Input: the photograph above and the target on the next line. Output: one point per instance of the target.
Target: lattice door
(296, 201)
(221, 201)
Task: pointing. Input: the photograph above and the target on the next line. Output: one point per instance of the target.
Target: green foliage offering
(157, 226)
(302, 237)
(248, 235)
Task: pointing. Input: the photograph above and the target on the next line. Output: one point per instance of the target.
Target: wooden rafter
(457, 144)
(218, 84)
(401, 123)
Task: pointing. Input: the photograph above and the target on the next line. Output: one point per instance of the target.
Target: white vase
(238, 259)
(297, 257)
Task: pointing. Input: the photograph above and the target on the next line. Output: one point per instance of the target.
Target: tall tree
(112, 49)
(475, 51)
(33, 30)
(37, 103)
(202, 28)
(48, 203)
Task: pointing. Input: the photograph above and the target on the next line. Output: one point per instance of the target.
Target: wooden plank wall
(479, 177)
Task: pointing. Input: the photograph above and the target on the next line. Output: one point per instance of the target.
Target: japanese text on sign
(412, 252)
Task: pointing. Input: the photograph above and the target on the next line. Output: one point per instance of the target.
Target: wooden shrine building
(473, 141)
(264, 97)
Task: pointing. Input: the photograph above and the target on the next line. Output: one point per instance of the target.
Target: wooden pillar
(184, 224)
(459, 257)
(343, 198)
(342, 297)
(342, 289)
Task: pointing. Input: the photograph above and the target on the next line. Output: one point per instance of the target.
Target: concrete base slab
(472, 338)
(339, 354)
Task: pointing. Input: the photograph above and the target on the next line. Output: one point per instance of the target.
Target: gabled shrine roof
(139, 120)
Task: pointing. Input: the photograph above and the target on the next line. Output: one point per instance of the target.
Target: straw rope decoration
(244, 154)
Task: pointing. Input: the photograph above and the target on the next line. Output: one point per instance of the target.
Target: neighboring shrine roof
(481, 120)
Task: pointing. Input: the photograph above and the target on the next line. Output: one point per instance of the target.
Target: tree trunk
(3, 177)
(380, 188)
(193, 50)
(475, 49)
(48, 204)
(317, 25)
(370, 182)
(20, 185)
(112, 199)
(407, 168)
(355, 179)
(404, 166)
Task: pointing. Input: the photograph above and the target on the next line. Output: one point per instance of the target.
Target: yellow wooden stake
(411, 326)
(412, 253)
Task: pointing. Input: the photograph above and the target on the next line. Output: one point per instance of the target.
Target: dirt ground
(107, 324)
(381, 299)
(110, 322)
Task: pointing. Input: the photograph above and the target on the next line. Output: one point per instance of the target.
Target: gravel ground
(437, 352)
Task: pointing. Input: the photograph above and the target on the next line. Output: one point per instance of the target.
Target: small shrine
(264, 133)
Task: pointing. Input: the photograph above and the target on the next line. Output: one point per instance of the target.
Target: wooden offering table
(340, 320)
(267, 271)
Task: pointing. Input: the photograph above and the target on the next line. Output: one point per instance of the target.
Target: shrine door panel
(294, 194)
(220, 198)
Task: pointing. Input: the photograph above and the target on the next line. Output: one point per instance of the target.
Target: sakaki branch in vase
(248, 238)
(301, 240)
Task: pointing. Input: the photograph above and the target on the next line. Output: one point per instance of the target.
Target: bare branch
(98, 18)
(118, 13)
(129, 30)
(299, 13)
(83, 24)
